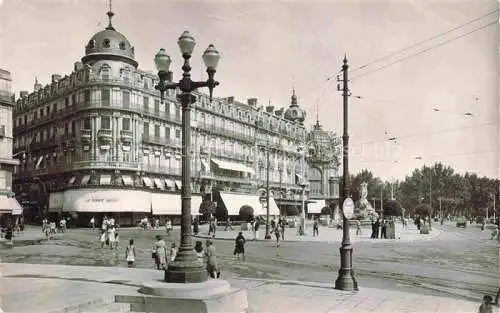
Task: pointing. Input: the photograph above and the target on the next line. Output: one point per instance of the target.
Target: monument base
(207, 297)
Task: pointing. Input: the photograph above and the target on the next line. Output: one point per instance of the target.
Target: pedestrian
(160, 253)
(383, 234)
(198, 247)
(130, 253)
(196, 226)
(103, 238)
(92, 223)
(283, 226)
(214, 227)
(111, 237)
(483, 224)
(168, 226)
(212, 266)
(315, 228)
(277, 235)
(358, 228)
(377, 228)
(228, 224)
(173, 252)
(372, 236)
(487, 305)
(256, 227)
(239, 246)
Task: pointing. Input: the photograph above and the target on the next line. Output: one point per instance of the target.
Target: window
(92, 44)
(66, 102)
(178, 133)
(73, 99)
(126, 123)
(105, 97)
(105, 122)
(167, 108)
(157, 130)
(86, 96)
(126, 99)
(41, 112)
(146, 103)
(66, 128)
(146, 128)
(177, 113)
(86, 123)
(167, 132)
(122, 45)
(105, 74)
(47, 110)
(157, 106)
(35, 115)
(146, 83)
(73, 127)
(106, 43)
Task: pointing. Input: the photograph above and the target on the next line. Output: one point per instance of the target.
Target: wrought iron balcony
(126, 135)
(86, 134)
(105, 134)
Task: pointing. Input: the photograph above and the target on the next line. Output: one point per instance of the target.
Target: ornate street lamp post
(186, 268)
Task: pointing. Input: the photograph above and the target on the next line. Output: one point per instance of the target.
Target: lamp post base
(346, 280)
(186, 268)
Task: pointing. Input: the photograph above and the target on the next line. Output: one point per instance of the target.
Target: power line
(425, 50)
(424, 41)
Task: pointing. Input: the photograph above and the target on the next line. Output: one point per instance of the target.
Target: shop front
(127, 207)
(169, 205)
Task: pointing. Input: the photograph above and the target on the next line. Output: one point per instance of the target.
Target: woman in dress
(111, 237)
(130, 253)
(103, 238)
(212, 266)
(160, 248)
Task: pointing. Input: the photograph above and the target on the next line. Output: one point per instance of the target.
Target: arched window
(122, 45)
(91, 44)
(106, 43)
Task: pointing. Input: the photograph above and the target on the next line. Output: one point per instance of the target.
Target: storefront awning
(127, 180)
(17, 209)
(273, 207)
(233, 166)
(171, 204)
(170, 184)
(56, 202)
(234, 202)
(178, 184)
(105, 180)
(315, 207)
(147, 181)
(159, 184)
(106, 200)
(85, 180)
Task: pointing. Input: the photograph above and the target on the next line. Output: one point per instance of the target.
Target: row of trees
(430, 188)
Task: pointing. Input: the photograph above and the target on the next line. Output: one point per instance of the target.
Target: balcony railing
(105, 133)
(162, 141)
(86, 133)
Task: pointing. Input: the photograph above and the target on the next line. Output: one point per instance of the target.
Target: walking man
(315, 228)
(358, 228)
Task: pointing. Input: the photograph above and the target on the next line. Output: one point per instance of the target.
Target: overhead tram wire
(434, 108)
(425, 50)
(436, 132)
(437, 156)
(424, 41)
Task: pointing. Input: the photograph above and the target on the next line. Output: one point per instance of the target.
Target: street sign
(348, 208)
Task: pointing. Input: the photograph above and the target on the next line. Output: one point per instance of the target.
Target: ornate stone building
(8, 204)
(100, 141)
(323, 163)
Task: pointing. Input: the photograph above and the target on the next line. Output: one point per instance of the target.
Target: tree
(423, 210)
(246, 213)
(327, 211)
(207, 208)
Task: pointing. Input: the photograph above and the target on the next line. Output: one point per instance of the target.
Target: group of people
(109, 233)
(379, 228)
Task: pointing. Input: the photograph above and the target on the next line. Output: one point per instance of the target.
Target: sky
(419, 96)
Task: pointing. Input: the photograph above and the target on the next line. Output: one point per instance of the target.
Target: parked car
(461, 222)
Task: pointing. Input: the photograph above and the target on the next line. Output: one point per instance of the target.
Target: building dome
(109, 44)
(323, 146)
(294, 113)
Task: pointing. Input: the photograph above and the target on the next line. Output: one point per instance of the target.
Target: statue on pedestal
(363, 208)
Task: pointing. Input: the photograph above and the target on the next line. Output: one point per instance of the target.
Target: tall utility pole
(382, 203)
(268, 235)
(345, 280)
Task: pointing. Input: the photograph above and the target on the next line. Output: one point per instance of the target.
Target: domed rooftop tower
(109, 44)
(294, 113)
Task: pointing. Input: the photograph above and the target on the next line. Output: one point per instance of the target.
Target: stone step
(109, 308)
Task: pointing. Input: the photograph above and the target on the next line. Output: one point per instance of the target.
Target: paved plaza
(60, 288)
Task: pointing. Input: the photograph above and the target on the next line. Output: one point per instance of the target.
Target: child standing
(130, 253)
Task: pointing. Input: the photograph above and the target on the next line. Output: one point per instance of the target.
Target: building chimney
(23, 94)
(230, 100)
(55, 78)
(78, 66)
(252, 102)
